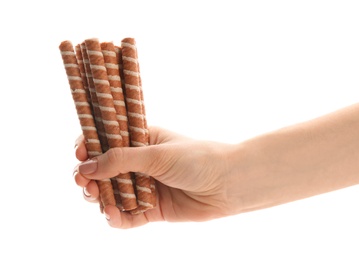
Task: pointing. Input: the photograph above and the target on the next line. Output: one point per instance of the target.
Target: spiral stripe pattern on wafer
(124, 180)
(102, 91)
(80, 61)
(93, 97)
(110, 104)
(136, 123)
(84, 113)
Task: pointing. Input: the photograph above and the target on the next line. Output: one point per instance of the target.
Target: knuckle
(156, 160)
(114, 155)
(80, 180)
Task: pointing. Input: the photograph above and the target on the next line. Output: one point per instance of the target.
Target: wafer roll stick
(136, 119)
(92, 93)
(142, 102)
(80, 61)
(118, 51)
(105, 98)
(103, 92)
(93, 100)
(113, 72)
(124, 180)
(84, 113)
(147, 137)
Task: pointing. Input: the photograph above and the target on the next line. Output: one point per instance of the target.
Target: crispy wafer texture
(124, 180)
(107, 91)
(80, 61)
(85, 117)
(93, 97)
(136, 118)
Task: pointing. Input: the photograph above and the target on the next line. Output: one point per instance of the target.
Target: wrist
(259, 175)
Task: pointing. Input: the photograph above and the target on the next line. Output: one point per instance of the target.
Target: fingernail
(87, 194)
(88, 167)
(107, 216)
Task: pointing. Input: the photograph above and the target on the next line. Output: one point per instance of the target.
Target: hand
(192, 178)
(201, 180)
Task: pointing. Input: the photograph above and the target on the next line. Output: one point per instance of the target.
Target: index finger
(80, 149)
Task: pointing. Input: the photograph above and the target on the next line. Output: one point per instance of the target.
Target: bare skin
(203, 180)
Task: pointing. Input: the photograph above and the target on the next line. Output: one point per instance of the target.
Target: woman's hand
(191, 177)
(200, 180)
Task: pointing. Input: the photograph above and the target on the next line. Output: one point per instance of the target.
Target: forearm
(299, 161)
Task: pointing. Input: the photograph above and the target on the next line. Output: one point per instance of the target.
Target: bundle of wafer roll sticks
(106, 88)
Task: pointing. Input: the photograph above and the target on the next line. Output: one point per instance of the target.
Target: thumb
(121, 160)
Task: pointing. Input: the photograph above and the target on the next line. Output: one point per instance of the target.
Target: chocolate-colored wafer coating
(133, 92)
(80, 61)
(94, 101)
(124, 180)
(142, 102)
(105, 101)
(114, 78)
(103, 92)
(87, 79)
(136, 118)
(84, 113)
(147, 136)
(115, 114)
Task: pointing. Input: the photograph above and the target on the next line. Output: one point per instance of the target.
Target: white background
(218, 70)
